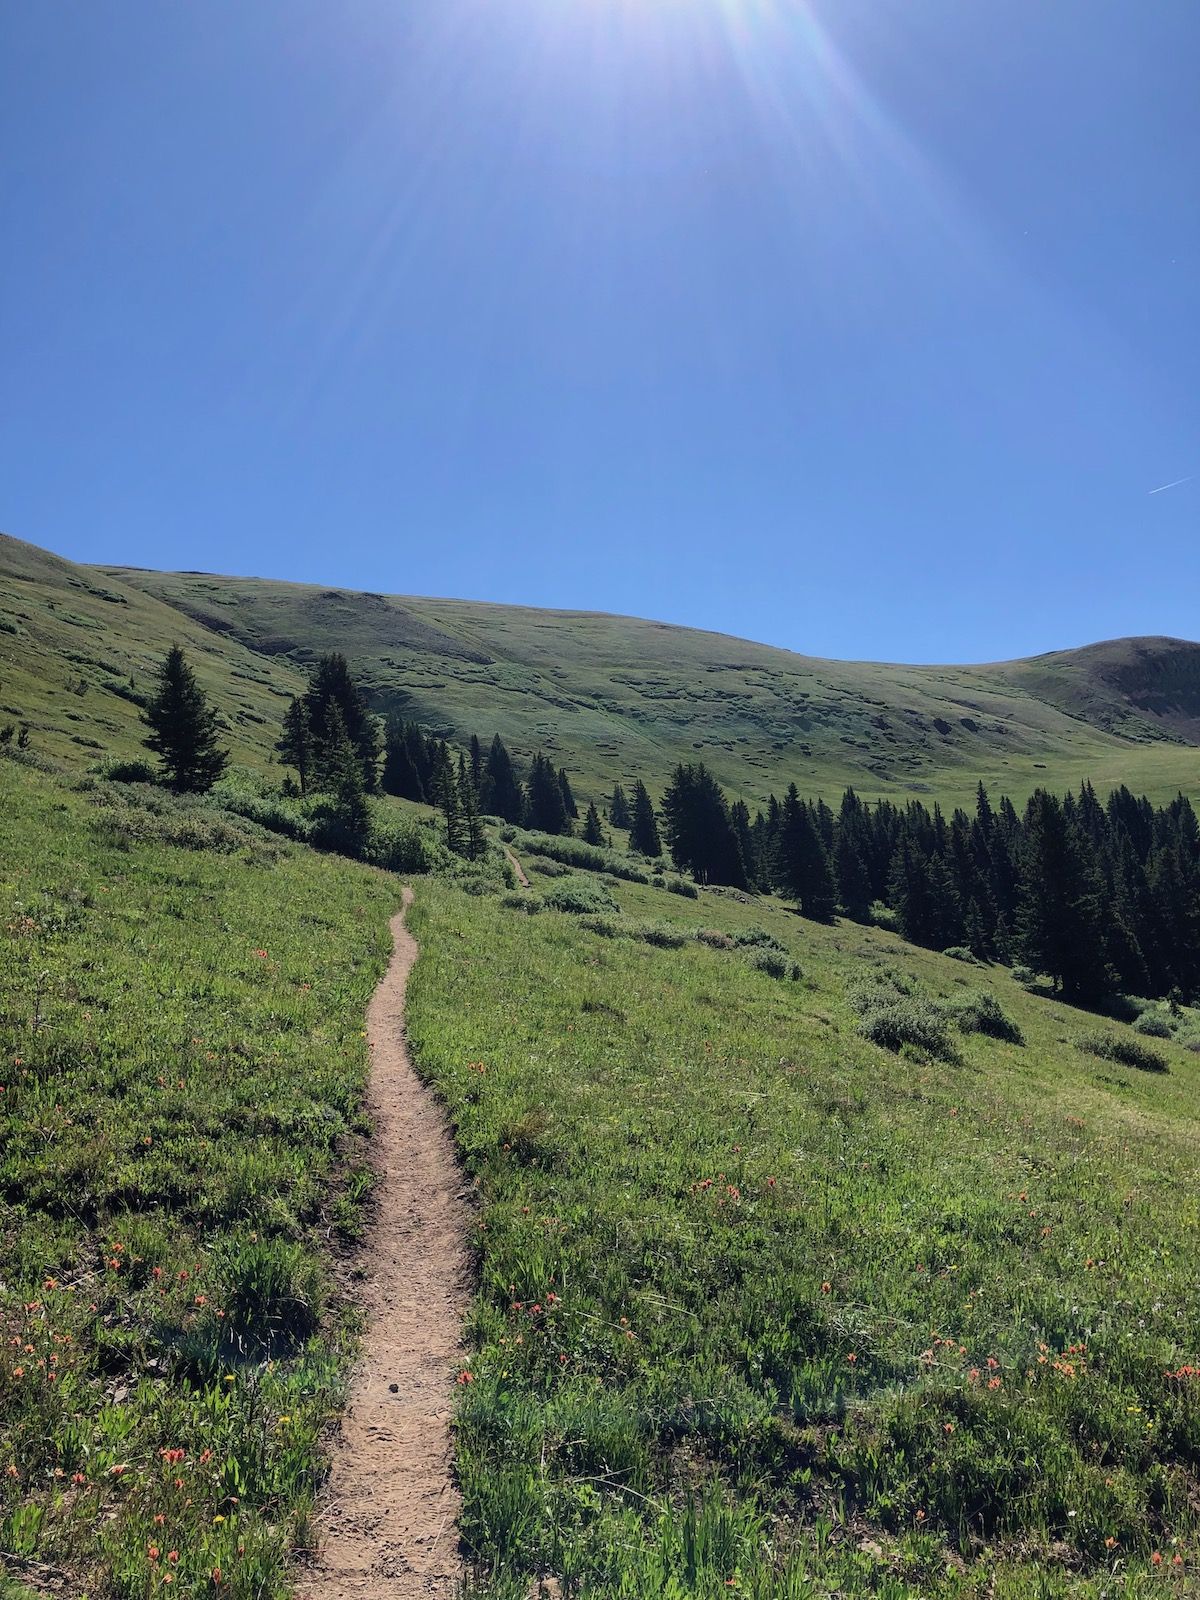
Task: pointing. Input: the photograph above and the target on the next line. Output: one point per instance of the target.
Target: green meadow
(181, 1165)
(764, 1308)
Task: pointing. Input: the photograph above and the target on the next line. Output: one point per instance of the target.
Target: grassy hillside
(181, 1004)
(79, 651)
(766, 1308)
(611, 697)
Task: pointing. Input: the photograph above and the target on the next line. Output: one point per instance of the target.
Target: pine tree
(618, 808)
(474, 839)
(184, 729)
(401, 775)
(502, 795)
(546, 809)
(445, 795)
(477, 765)
(593, 833)
(699, 830)
(332, 686)
(295, 742)
(568, 799)
(1060, 926)
(802, 865)
(643, 827)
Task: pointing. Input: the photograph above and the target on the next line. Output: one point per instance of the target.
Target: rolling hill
(608, 697)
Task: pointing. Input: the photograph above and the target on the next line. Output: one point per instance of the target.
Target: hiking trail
(387, 1521)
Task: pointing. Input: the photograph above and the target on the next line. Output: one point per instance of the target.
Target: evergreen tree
(332, 686)
(445, 795)
(699, 830)
(184, 729)
(1060, 929)
(401, 774)
(643, 826)
(593, 833)
(618, 808)
(568, 799)
(474, 839)
(802, 866)
(546, 810)
(477, 765)
(502, 794)
(295, 742)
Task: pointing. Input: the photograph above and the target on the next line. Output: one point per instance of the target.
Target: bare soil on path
(522, 879)
(387, 1523)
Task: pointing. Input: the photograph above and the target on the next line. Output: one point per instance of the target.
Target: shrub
(774, 964)
(1126, 1007)
(664, 935)
(1153, 1025)
(523, 900)
(911, 1021)
(1129, 1052)
(884, 917)
(575, 853)
(683, 887)
(715, 938)
(397, 848)
(129, 772)
(1025, 976)
(579, 896)
(982, 1013)
(959, 952)
(617, 927)
(658, 881)
(758, 938)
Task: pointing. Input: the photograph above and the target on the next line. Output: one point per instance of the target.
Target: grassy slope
(615, 696)
(71, 641)
(1002, 1209)
(182, 1065)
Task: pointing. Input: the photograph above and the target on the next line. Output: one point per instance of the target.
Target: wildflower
(1156, 1559)
(466, 1377)
(1110, 1543)
(159, 1520)
(993, 1383)
(172, 1555)
(11, 1472)
(79, 1477)
(826, 1287)
(218, 1519)
(216, 1576)
(852, 1358)
(947, 1427)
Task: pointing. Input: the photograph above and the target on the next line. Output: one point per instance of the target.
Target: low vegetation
(181, 1002)
(764, 1310)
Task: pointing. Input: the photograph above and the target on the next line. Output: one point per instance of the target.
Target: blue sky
(864, 327)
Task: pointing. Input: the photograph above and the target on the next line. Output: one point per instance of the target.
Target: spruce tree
(568, 799)
(802, 865)
(546, 809)
(445, 794)
(400, 775)
(593, 833)
(332, 686)
(295, 742)
(643, 827)
(502, 794)
(184, 730)
(618, 808)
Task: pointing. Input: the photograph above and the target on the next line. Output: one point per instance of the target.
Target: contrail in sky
(1172, 485)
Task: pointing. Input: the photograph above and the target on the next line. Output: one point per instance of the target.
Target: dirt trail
(518, 869)
(387, 1524)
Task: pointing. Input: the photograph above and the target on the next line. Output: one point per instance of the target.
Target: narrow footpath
(387, 1523)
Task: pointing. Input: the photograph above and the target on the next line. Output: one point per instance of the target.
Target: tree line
(1101, 897)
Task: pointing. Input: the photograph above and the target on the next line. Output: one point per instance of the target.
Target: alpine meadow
(512, 1088)
(825, 1149)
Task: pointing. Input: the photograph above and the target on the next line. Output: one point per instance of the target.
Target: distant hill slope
(608, 697)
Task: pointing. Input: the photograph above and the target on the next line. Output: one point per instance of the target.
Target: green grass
(614, 697)
(761, 1301)
(180, 1136)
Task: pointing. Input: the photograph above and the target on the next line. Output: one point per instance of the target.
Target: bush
(774, 964)
(1025, 976)
(982, 1013)
(1126, 1007)
(617, 927)
(523, 900)
(579, 896)
(1153, 1025)
(916, 1022)
(129, 772)
(663, 935)
(584, 857)
(715, 938)
(758, 938)
(658, 881)
(884, 917)
(683, 887)
(397, 848)
(959, 952)
(1129, 1052)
